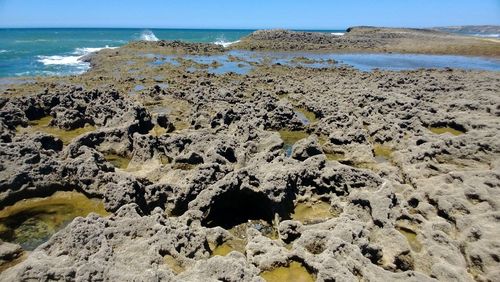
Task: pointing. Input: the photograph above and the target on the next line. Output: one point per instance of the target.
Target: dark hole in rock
(34, 113)
(236, 207)
(413, 202)
(404, 261)
(420, 142)
(51, 143)
(373, 253)
(228, 154)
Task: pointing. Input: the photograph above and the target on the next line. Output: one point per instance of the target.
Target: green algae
(312, 212)
(44, 121)
(335, 156)
(382, 153)
(411, 237)
(43, 125)
(290, 137)
(294, 272)
(31, 222)
(117, 160)
(234, 244)
(446, 129)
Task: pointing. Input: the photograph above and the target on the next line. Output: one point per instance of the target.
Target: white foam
(337, 33)
(59, 60)
(489, 35)
(85, 51)
(225, 43)
(148, 35)
(3, 51)
(73, 60)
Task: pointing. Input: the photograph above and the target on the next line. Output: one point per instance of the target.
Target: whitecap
(337, 33)
(3, 51)
(225, 43)
(85, 51)
(148, 35)
(71, 60)
(59, 60)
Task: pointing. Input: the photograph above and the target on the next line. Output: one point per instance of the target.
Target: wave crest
(148, 35)
(224, 43)
(72, 60)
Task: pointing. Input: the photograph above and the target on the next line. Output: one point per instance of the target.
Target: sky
(250, 14)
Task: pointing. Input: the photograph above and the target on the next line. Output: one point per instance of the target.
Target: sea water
(28, 52)
(33, 52)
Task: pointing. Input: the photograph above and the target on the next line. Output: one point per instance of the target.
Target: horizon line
(231, 28)
(181, 28)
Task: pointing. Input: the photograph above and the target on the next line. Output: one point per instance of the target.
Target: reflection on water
(382, 153)
(117, 160)
(31, 222)
(305, 116)
(242, 62)
(290, 138)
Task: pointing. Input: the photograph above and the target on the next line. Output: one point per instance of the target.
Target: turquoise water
(55, 51)
(31, 52)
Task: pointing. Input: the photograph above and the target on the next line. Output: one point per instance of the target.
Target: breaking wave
(72, 60)
(224, 43)
(148, 35)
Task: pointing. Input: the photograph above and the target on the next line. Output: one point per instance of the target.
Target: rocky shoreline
(328, 174)
(372, 40)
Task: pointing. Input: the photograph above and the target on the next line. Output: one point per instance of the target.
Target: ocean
(27, 52)
(56, 51)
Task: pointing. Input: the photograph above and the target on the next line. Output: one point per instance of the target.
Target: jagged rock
(306, 148)
(402, 166)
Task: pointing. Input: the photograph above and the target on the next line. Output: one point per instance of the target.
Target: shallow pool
(242, 62)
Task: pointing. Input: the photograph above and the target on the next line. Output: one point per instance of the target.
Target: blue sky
(305, 14)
